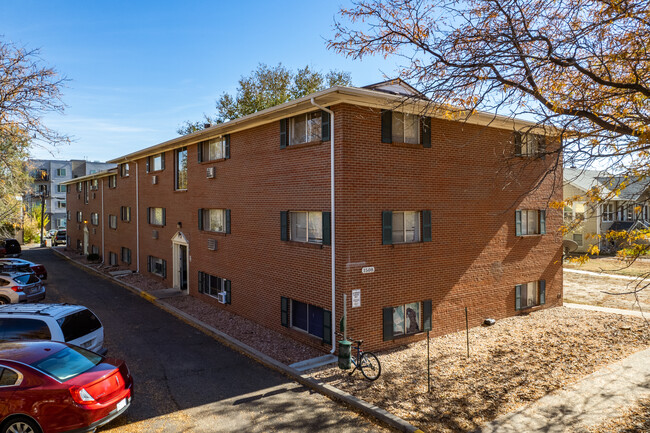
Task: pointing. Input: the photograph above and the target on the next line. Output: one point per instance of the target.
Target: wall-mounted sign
(356, 298)
(368, 270)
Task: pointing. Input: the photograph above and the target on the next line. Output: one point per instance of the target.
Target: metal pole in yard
(42, 214)
(345, 316)
(467, 330)
(428, 365)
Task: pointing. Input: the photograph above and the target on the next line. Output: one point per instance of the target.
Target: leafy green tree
(267, 87)
(32, 223)
(14, 175)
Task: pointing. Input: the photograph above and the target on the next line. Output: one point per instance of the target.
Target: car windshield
(68, 363)
(26, 279)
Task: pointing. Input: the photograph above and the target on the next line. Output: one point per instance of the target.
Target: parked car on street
(11, 247)
(53, 387)
(17, 286)
(60, 238)
(39, 270)
(50, 234)
(73, 324)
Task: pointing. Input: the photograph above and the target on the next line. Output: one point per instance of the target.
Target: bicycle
(367, 362)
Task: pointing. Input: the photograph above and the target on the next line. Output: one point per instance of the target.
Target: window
(61, 188)
(42, 189)
(212, 286)
(181, 168)
(94, 219)
(94, 250)
(629, 212)
(307, 317)
(94, 184)
(79, 217)
(124, 170)
(79, 244)
(86, 188)
(9, 377)
(214, 220)
(125, 213)
(529, 144)
(112, 259)
(157, 266)
(60, 223)
(305, 128)
(156, 216)
(60, 172)
(79, 324)
(69, 215)
(405, 128)
(406, 319)
(212, 150)
(406, 227)
(93, 171)
(530, 222)
(608, 212)
(575, 212)
(577, 237)
(112, 221)
(156, 162)
(306, 227)
(126, 255)
(68, 363)
(112, 181)
(24, 329)
(530, 294)
(79, 186)
(60, 205)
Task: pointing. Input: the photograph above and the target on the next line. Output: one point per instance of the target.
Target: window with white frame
(530, 222)
(112, 181)
(112, 259)
(180, 172)
(577, 238)
(112, 221)
(156, 216)
(529, 144)
(213, 220)
(406, 319)
(60, 205)
(79, 217)
(126, 255)
(405, 227)
(306, 227)
(213, 150)
(406, 128)
(124, 170)
(125, 213)
(60, 223)
(530, 294)
(79, 186)
(157, 266)
(94, 219)
(60, 172)
(156, 162)
(608, 212)
(211, 285)
(629, 212)
(305, 128)
(61, 188)
(94, 184)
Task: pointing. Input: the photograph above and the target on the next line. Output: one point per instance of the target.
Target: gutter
(331, 113)
(103, 225)
(137, 219)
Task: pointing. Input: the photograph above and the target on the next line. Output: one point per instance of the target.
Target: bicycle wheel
(370, 366)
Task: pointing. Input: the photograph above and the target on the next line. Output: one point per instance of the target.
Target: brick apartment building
(427, 221)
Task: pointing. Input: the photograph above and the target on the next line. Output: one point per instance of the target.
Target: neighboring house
(590, 222)
(48, 176)
(425, 223)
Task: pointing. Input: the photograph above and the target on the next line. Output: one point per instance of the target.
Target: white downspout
(137, 219)
(331, 113)
(103, 225)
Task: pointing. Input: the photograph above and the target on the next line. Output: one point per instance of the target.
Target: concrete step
(308, 364)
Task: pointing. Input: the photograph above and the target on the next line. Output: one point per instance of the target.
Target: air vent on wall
(212, 244)
(210, 172)
(154, 179)
(154, 234)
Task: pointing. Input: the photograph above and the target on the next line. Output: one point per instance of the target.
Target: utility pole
(42, 214)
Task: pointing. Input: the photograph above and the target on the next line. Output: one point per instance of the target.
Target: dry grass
(512, 363)
(606, 291)
(612, 265)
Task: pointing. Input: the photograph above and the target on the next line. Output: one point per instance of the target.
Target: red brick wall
(474, 259)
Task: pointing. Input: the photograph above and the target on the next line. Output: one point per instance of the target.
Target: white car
(74, 324)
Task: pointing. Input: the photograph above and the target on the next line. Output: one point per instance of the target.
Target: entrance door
(85, 240)
(182, 266)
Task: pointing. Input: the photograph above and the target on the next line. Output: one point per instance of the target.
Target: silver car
(18, 287)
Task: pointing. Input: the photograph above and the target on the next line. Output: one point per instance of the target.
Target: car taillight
(16, 288)
(81, 396)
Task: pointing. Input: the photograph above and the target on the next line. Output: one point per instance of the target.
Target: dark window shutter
(284, 133)
(164, 221)
(148, 159)
(148, 263)
(164, 263)
(542, 222)
(148, 215)
(162, 161)
(201, 282)
(426, 226)
(128, 256)
(387, 227)
(386, 126)
(228, 221)
(327, 327)
(388, 323)
(200, 219)
(426, 315)
(199, 151)
(325, 125)
(284, 225)
(517, 138)
(226, 288)
(226, 146)
(518, 297)
(426, 131)
(122, 213)
(284, 311)
(542, 292)
(518, 223)
(327, 228)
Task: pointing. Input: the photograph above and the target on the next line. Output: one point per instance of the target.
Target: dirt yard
(612, 265)
(606, 291)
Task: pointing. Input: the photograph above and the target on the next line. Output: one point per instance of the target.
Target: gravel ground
(589, 289)
(511, 364)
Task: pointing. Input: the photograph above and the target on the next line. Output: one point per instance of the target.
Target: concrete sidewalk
(620, 311)
(601, 274)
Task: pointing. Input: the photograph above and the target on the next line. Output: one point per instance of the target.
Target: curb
(322, 388)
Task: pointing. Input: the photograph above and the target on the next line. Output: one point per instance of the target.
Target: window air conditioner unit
(154, 179)
(210, 172)
(212, 244)
(221, 297)
(154, 234)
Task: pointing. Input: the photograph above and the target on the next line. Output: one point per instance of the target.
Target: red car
(52, 387)
(39, 270)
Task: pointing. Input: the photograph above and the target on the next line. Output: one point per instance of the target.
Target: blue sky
(138, 69)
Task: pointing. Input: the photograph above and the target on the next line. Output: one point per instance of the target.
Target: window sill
(180, 190)
(156, 225)
(531, 236)
(407, 145)
(306, 244)
(308, 144)
(213, 161)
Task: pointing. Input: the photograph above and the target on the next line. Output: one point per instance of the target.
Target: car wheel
(4, 301)
(21, 425)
